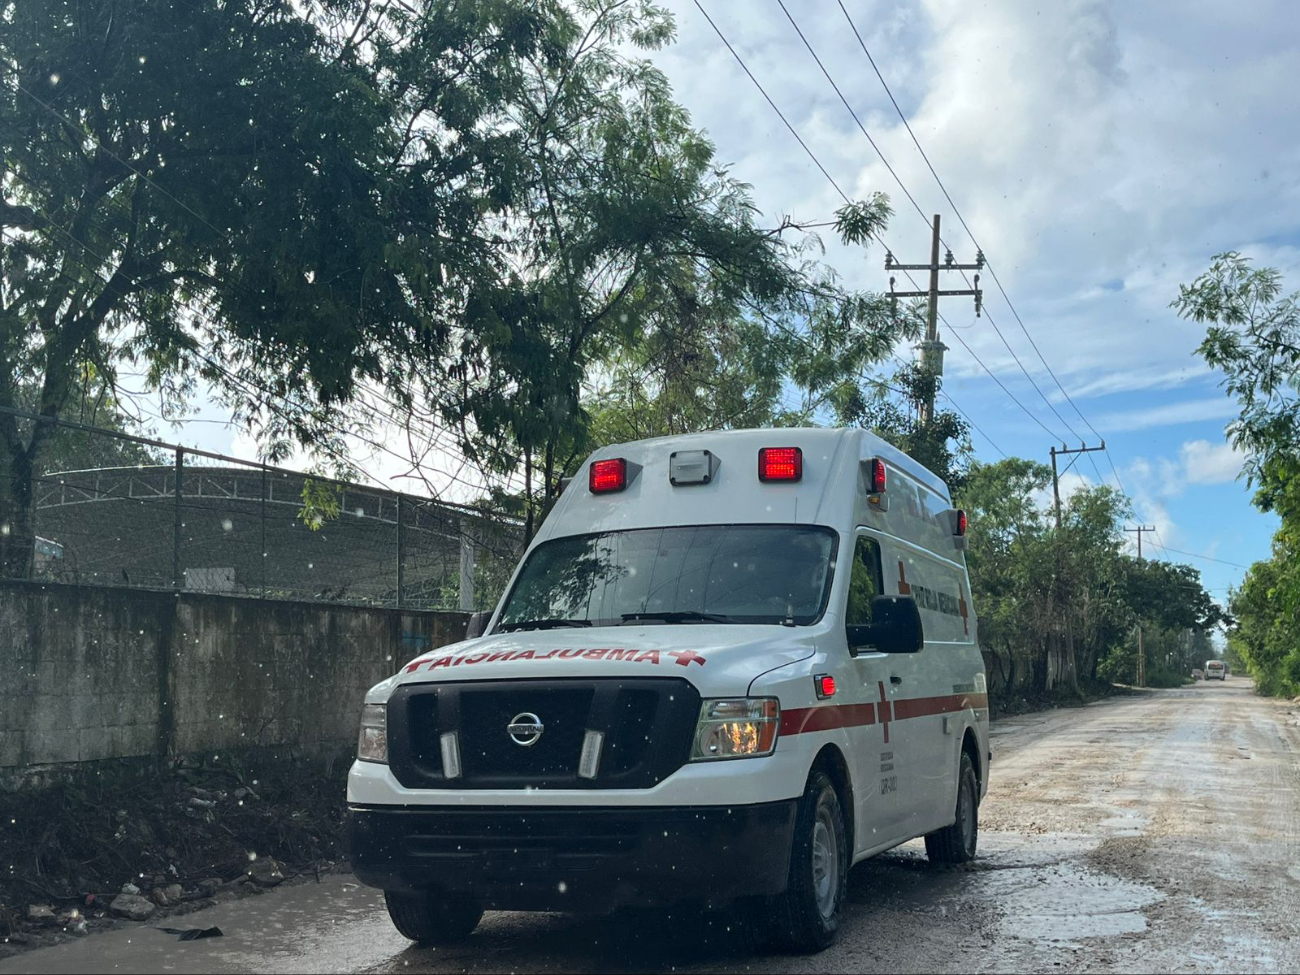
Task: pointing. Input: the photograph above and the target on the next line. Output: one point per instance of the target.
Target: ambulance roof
(827, 494)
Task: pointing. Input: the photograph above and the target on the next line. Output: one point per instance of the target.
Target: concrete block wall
(92, 673)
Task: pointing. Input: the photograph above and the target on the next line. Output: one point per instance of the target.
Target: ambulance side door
(929, 716)
(880, 758)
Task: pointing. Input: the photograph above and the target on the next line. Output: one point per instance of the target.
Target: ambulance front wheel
(806, 917)
(956, 843)
(429, 919)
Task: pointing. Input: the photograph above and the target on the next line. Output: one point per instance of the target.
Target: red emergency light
(960, 528)
(606, 476)
(877, 476)
(824, 685)
(780, 464)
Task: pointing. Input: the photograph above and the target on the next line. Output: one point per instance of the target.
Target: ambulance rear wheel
(956, 843)
(806, 917)
(429, 919)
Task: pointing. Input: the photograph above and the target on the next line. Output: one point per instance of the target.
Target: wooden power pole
(1142, 657)
(932, 349)
(1066, 631)
(1056, 485)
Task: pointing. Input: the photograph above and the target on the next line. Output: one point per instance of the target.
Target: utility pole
(1065, 631)
(1056, 486)
(1142, 657)
(932, 349)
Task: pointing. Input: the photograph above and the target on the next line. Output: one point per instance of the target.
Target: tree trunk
(528, 496)
(17, 525)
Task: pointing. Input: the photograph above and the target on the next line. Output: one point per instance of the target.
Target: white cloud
(1101, 153)
(1210, 463)
(1189, 411)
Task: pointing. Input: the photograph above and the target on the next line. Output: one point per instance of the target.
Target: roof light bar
(780, 464)
(607, 476)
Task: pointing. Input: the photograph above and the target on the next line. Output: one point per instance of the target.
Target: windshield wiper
(547, 624)
(678, 616)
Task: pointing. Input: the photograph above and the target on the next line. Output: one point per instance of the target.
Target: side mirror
(895, 627)
(477, 624)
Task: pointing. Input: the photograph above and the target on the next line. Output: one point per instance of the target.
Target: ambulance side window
(865, 584)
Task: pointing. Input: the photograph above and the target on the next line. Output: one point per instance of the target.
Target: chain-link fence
(159, 516)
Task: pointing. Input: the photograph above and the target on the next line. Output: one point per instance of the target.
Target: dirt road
(1152, 833)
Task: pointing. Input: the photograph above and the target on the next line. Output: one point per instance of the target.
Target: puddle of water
(1065, 903)
(1125, 824)
(333, 926)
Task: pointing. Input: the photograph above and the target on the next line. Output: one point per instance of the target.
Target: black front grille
(487, 750)
(647, 727)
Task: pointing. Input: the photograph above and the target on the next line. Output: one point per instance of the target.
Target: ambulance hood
(721, 660)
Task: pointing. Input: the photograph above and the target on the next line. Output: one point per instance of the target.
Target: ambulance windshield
(699, 574)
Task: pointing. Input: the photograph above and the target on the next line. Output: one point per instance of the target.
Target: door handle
(894, 679)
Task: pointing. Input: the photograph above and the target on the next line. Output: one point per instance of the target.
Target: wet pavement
(1151, 833)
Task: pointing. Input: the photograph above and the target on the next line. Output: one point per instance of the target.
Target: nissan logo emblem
(525, 729)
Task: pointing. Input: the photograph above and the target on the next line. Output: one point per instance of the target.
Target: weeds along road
(1158, 832)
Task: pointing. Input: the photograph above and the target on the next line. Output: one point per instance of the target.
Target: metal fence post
(401, 551)
(466, 570)
(262, 511)
(176, 524)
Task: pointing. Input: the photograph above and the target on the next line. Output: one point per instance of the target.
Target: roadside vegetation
(1254, 340)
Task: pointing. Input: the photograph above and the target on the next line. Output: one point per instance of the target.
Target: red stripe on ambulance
(827, 717)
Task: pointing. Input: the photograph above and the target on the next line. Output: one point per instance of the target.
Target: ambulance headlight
(372, 743)
(744, 727)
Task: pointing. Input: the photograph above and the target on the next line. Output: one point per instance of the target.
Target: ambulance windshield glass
(700, 574)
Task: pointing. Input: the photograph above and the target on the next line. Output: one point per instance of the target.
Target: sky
(1101, 153)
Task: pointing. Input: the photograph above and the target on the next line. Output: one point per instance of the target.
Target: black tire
(957, 843)
(429, 919)
(806, 917)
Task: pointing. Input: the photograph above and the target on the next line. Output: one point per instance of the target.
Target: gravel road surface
(1158, 832)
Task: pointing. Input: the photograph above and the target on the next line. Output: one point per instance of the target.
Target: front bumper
(575, 858)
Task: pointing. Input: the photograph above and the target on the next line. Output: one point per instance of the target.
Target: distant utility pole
(1056, 479)
(1142, 657)
(932, 349)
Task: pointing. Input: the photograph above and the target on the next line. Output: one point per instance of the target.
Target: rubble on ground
(132, 847)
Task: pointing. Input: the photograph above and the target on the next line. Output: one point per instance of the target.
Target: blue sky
(1101, 154)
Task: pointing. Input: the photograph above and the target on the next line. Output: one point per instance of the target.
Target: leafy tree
(1033, 584)
(1254, 339)
(890, 409)
(643, 271)
(280, 200)
(464, 205)
(94, 404)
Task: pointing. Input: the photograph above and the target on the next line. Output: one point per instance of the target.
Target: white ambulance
(729, 666)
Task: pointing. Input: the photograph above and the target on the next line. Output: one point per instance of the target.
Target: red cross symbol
(687, 657)
(886, 710)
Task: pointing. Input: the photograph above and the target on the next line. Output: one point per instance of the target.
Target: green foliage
(1254, 339)
(889, 410)
(1034, 583)
(322, 501)
(477, 207)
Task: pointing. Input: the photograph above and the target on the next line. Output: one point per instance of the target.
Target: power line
(817, 162)
(1110, 460)
(957, 212)
(779, 113)
(920, 212)
(909, 196)
(1207, 558)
